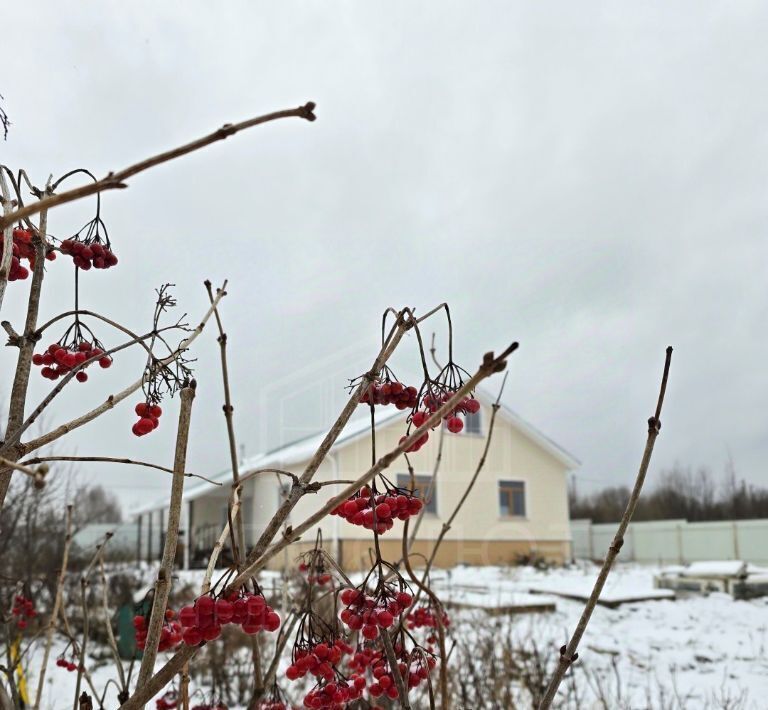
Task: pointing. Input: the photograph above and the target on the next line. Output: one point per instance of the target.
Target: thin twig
(84, 581)
(107, 459)
(219, 544)
(402, 690)
(51, 626)
(108, 624)
(117, 180)
(228, 417)
(568, 653)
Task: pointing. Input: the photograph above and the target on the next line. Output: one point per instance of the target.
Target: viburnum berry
(426, 616)
(22, 248)
(378, 512)
(62, 662)
(61, 357)
(149, 418)
(23, 609)
(204, 619)
(168, 701)
(170, 632)
(89, 254)
(369, 614)
(390, 392)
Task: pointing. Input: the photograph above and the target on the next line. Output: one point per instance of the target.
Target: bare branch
(107, 459)
(117, 180)
(568, 653)
(163, 583)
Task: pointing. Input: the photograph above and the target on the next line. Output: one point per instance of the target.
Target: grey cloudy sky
(587, 178)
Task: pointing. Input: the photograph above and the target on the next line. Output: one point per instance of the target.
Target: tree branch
(568, 652)
(117, 180)
(163, 583)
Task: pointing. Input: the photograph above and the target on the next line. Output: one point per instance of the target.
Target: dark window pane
(512, 498)
(420, 487)
(472, 423)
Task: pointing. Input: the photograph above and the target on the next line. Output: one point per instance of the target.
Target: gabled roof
(302, 449)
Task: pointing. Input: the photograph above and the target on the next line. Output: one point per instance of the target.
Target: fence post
(680, 544)
(735, 540)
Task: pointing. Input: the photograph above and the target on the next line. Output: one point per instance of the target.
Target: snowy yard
(692, 652)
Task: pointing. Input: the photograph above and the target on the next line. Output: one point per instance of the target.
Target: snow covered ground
(695, 651)
(691, 652)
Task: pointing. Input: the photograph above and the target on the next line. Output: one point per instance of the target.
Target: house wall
(479, 534)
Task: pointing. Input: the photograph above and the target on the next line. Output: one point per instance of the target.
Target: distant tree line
(679, 492)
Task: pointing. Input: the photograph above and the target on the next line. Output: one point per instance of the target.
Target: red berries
(431, 403)
(369, 614)
(23, 609)
(391, 393)
(62, 662)
(320, 576)
(86, 255)
(149, 418)
(378, 512)
(170, 633)
(22, 249)
(204, 620)
(320, 660)
(168, 701)
(454, 424)
(59, 358)
(426, 616)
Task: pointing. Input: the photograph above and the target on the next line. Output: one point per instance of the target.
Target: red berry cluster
(432, 402)
(85, 256)
(169, 701)
(391, 393)
(62, 662)
(426, 616)
(58, 359)
(317, 659)
(23, 249)
(412, 667)
(320, 576)
(23, 609)
(378, 511)
(203, 621)
(369, 614)
(334, 694)
(170, 633)
(149, 418)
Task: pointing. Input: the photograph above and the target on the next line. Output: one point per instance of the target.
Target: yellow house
(518, 506)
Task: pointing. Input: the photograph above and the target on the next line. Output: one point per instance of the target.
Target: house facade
(517, 507)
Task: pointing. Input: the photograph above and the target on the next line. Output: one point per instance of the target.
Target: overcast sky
(587, 178)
